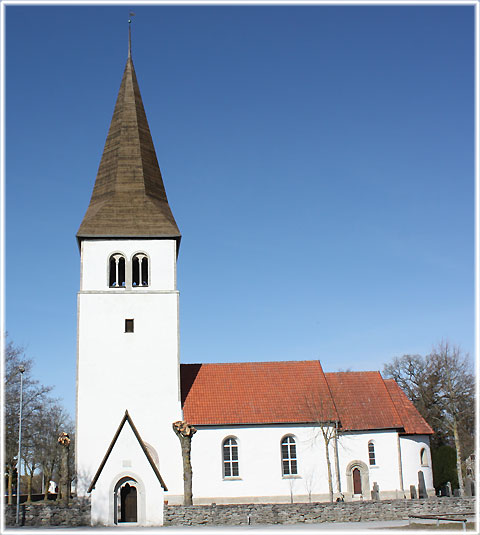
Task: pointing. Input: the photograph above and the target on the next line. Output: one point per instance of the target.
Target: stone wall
(309, 513)
(39, 514)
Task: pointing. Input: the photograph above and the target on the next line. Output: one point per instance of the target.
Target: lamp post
(21, 369)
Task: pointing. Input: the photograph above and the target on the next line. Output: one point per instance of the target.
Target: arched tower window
(230, 457)
(140, 270)
(289, 456)
(116, 276)
(371, 453)
(423, 457)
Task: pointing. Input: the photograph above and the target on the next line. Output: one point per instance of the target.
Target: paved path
(333, 527)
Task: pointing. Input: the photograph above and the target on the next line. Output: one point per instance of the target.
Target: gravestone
(449, 489)
(375, 492)
(413, 492)
(422, 489)
(468, 487)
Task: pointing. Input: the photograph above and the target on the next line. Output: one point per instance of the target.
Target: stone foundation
(309, 513)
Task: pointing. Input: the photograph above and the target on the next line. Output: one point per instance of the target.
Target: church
(267, 432)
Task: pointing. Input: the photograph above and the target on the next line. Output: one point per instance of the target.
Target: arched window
(371, 453)
(230, 458)
(140, 270)
(289, 456)
(423, 457)
(116, 276)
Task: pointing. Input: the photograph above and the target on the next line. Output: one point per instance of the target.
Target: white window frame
(371, 453)
(229, 463)
(290, 469)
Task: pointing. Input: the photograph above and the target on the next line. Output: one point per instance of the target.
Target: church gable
(125, 443)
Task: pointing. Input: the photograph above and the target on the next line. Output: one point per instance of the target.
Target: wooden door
(128, 499)
(357, 481)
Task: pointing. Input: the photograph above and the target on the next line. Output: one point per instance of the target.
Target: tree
(34, 396)
(444, 462)
(328, 428)
(52, 421)
(456, 394)
(441, 385)
(185, 432)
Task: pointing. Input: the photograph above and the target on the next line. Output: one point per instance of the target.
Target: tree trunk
(187, 469)
(185, 433)
(459, 458)
(64, 476)
(329, 468)
(10, 484)
(29, 486)
(47, 478)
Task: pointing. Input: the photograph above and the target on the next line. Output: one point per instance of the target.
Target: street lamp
(21, 369)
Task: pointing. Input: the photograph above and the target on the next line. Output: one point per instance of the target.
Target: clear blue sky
(319, 162)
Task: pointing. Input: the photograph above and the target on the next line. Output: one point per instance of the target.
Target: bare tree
(328, 430)
(456, 393)
(34, 396)
(185, 432)
(51, 422)
(441, 385)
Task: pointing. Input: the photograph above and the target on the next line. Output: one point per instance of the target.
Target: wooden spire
(129, 198)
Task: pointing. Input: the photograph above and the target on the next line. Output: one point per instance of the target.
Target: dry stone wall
(39, 514)
(309, 513)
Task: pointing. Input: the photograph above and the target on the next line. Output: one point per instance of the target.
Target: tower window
(289, 456)
(116, 276)
(129, 326)
(140, 270)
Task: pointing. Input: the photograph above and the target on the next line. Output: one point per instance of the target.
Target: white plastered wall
(411, 446)
(118, 371)
(353, 446)
(261, 479)
(127, 459)
(260, 467)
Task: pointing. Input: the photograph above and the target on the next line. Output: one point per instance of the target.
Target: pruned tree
(185, 432)
(64, 487)
(441, 385)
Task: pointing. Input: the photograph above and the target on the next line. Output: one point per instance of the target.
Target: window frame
(291, 468)
(423, 457)
(230, 444)
(116, 257)
(144, 257)
(371, 453)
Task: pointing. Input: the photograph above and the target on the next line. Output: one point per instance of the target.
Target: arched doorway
(126, 501)
(357, 481)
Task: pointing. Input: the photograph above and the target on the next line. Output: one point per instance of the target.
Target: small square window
(129, 326)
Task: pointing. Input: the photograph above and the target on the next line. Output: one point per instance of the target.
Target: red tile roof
(294, 392)
(362, 401)
(255, 392)
(413, 423)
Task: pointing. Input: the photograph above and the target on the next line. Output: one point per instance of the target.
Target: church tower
(128, 385)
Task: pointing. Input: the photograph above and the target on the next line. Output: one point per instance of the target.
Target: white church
(261, 426)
